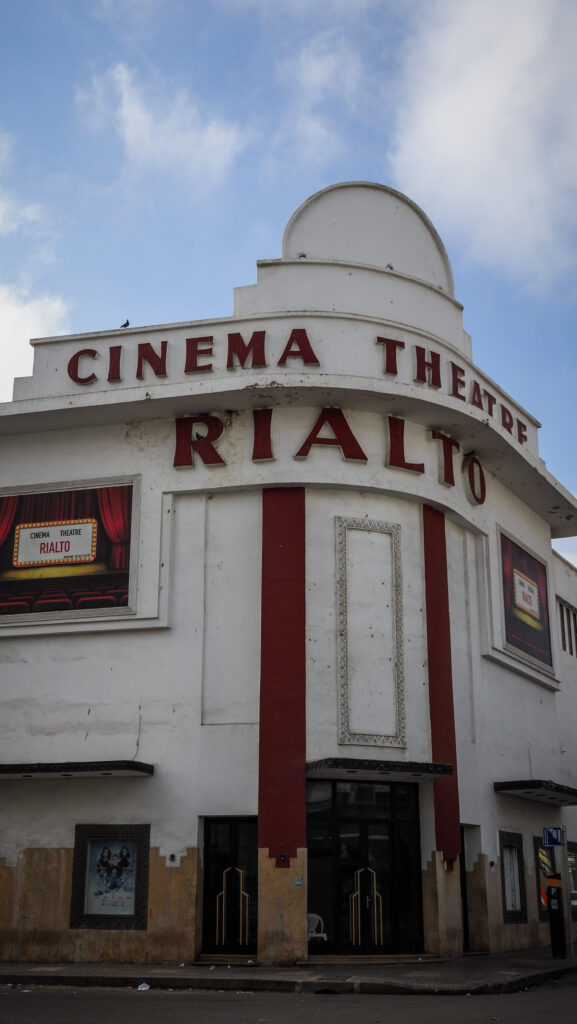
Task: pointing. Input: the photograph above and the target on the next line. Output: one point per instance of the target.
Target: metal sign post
(556, 835)
(568, 892)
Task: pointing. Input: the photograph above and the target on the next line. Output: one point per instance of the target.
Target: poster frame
(513, 620)
(34, 617)
(114, 837)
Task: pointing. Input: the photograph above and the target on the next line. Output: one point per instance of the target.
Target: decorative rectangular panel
(232, 609)
(370, 633)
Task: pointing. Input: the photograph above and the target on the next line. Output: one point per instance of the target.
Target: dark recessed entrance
(230, 885)
(364, 869)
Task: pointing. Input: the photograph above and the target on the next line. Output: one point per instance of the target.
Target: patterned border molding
(398, 739)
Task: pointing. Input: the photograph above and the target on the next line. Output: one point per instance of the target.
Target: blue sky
(152, 150)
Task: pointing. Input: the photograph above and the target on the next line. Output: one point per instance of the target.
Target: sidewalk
(508, 972)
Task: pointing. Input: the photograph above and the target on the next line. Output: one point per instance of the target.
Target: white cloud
(15, 215)
(169, 135)
(18, 216)
(323, 77)
(324, 69)
(24, 316)
(486, 135)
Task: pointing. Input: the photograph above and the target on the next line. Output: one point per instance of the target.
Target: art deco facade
(288, 661)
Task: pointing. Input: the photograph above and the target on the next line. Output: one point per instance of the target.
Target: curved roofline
(390, 191)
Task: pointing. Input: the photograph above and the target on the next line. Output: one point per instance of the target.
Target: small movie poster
(527, 627)
(65, 551)
(110, 877)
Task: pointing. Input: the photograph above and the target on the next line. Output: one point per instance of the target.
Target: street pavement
(474, 974)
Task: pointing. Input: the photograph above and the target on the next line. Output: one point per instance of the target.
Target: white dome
(362, 222)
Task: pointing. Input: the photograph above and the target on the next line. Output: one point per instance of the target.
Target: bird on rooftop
(126, 323)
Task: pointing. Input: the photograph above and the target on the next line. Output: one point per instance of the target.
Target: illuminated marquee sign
(526, 593)
(55, 543)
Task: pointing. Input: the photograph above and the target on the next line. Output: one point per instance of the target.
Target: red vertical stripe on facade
(443, 739)
(282, 744)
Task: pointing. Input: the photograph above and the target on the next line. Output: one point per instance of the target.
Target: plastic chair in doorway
(316, 927)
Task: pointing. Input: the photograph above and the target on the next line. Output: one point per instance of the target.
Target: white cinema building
(288, 660)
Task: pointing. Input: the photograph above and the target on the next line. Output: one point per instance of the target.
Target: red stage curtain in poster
(115, 505)
(507, 556)
(542, 584)
(8, 506)
(53, 506)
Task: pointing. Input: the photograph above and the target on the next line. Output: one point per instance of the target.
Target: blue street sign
(553, 836)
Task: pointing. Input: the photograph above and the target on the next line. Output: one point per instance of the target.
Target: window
(544, 868)
(110, 877)
(567, 627)
(512, 877)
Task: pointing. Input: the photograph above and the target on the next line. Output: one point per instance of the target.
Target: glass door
(364, 868)
(230, 885)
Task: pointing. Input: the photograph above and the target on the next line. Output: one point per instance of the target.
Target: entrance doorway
(364, 871)
(230, 885)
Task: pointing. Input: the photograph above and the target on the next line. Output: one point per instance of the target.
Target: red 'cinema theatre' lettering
(430, 371)
(198, 356)
(206, 354)
(74, 366)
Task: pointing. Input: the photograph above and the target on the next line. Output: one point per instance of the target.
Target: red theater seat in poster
(10, 607)
(52, 604)
(96, 601)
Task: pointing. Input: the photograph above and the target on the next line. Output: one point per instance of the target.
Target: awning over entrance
(76, 770)
(377, 771)
(547, 792)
